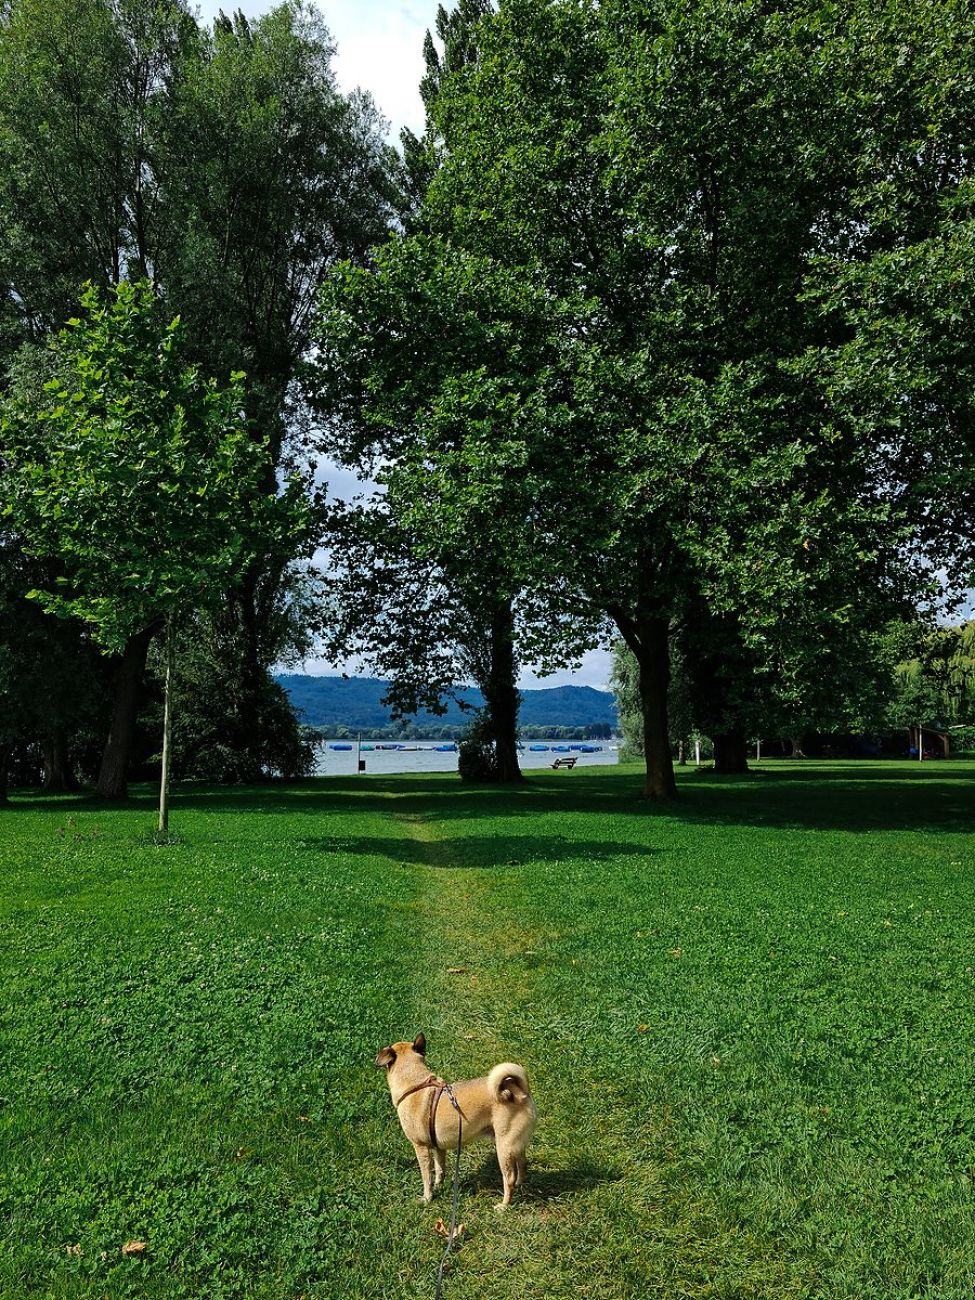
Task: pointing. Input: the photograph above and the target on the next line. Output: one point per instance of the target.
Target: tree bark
(127, 691)
(731, 753)
(652, 649)
(501, 695)
(58, 776)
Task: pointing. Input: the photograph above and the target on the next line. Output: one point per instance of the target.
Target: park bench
(566, 762)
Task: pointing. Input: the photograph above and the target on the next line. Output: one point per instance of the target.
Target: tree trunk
(501, 696)
(731, 753)
(167, 733)
(58, 776)
(127, 691)
(653, 658)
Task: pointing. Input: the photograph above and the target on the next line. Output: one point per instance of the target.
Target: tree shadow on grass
(835, 795)
(477, 853)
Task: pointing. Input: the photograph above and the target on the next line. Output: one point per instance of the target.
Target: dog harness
(439, 1087)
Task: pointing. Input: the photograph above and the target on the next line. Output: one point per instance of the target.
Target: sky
(380, 49)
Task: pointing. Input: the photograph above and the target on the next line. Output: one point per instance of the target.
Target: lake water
(425, 758)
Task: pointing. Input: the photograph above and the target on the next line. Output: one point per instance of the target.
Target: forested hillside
(356, 702)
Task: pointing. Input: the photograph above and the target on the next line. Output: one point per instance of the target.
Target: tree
(664, 177)
(276, 176)
(426, 380)
(138, 478)
(205, 694)
(224, 165)
(931, 675)
(415, 615)
(83, 88)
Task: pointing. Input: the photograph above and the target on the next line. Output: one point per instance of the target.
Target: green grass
(749, 1022)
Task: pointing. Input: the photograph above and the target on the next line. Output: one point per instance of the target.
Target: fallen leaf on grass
(642, 1029)
(441, 1228)
(74, 1250)
(677, 952)
(456, 970)
(135, 1248)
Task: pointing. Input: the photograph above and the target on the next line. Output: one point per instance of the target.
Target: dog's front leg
(439, 1166)
(423, 1160)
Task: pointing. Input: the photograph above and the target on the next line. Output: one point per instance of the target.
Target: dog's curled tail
(508, 1082)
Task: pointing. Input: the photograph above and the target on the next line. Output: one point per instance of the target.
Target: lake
(425, 758)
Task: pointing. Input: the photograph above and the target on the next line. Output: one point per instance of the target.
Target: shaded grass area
(749, 1022)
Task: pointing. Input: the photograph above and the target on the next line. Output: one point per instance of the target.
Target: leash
(456, 1194)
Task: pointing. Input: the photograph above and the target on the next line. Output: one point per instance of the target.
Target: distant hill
(354, 702)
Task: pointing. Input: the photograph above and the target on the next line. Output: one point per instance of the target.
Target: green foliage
(894, 290)
(133, 474)
(612, 312)
(435, 578)
(223, 164)
(932, 675)
(625, 684)
(218, 735)
(476, 757)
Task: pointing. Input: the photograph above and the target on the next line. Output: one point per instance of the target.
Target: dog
(498, 1105)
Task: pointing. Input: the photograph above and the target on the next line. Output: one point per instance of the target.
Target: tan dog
(500, 1105)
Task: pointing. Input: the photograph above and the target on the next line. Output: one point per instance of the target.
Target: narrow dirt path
(474, 981)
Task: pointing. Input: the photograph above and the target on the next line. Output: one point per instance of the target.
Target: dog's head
(388, 1057)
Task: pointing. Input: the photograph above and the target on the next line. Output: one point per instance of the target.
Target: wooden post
(758, 749)
(167, 733)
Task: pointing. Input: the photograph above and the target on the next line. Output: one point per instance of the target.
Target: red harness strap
(438, 1085)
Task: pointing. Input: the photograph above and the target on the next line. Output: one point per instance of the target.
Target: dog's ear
(420, 1045)
(385, 1058)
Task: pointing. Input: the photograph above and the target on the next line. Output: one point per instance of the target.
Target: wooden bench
(566, 762)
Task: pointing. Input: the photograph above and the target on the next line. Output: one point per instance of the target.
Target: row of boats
(400, 749)
(564, 749)
(452, 749)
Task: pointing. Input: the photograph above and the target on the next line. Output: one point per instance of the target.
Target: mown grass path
(749, 1022)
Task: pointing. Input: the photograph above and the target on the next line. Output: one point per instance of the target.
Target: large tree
(427, 375)
(276, 176)
(226, 166)
(664, 177)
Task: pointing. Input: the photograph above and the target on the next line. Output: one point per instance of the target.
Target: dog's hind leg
(423, 1154)
(508, 1160)
(439, 1167)
(521, 1170)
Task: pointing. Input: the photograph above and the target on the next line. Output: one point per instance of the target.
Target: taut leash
(456, 1194)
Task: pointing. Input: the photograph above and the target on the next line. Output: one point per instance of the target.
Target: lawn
(749, 1022)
